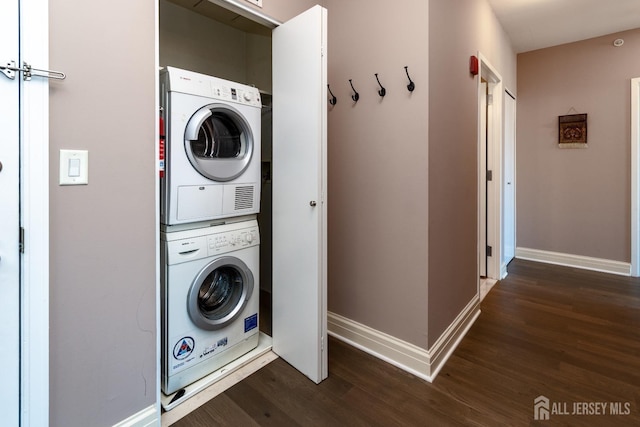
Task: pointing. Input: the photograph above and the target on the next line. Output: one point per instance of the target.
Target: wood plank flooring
(567, 334)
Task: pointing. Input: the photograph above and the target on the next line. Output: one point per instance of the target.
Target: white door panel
(482, 214)
(509, 188)
(9, 218)
(299, 192)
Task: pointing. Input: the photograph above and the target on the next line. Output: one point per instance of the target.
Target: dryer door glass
(219, 293)
(218, 138)
(219, 142)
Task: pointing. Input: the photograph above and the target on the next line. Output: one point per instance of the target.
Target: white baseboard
(416, 360)
(146, 418)
(576, 261)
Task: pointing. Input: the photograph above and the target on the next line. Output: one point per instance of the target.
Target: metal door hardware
(28, 71)
(312, 203)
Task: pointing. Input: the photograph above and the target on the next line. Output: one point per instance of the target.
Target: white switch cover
(74, 167)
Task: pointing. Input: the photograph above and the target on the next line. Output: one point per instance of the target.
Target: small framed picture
(572, 131)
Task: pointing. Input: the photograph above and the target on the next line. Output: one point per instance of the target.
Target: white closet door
(9, 217)
(509, 188)
(299, 192)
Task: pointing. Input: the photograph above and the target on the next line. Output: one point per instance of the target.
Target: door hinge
(490, 99)
(321, 343)
(21, 241)
(489, 250)
(489, 175)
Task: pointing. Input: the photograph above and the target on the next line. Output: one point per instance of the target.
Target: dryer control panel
(184, 81)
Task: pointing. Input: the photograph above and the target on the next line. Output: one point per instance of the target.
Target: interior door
(9, 217)
(482, 214)
(299, 192)
(509, 212)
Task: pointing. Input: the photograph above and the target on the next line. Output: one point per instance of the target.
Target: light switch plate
(74, 167)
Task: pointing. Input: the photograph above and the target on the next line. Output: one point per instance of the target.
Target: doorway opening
(490, 175)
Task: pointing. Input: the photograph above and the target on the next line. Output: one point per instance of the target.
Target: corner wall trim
(424, 364)
(576, 261)
(146, 418)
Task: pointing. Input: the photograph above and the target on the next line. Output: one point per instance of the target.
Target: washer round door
(219, 142)
(219, 293)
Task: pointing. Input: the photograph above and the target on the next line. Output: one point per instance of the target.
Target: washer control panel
(232, 240)
(205, 242)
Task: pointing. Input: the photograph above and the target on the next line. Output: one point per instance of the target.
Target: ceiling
(223, 15)
(530, 24)
(536, 24)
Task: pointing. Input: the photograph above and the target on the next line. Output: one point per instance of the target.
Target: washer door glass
(219, 293)
(219, 142)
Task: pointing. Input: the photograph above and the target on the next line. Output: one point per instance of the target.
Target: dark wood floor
(567, 334)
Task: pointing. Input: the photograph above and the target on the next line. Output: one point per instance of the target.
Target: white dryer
(209, 299)
(212, 152)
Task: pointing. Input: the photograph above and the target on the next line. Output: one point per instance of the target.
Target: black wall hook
(382, 92)
(333, 98)
(411, 86)
(355, 95)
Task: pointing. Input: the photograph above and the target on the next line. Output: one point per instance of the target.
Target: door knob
(312, 203)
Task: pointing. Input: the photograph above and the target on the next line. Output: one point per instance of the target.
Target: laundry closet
(239, 53)
(211, 40)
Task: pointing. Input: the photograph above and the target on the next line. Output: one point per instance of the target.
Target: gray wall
(185, 42)
(195, 42)
(102, 236)
(457, 30)
(403, 169)
(576, 201)
(377, 160)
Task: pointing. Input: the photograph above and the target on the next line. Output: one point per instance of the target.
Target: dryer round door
(219, 142)
(219, 293)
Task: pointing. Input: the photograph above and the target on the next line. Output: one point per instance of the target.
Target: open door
(482, 198)
(9, 216)
(299, 192)
(509, 183)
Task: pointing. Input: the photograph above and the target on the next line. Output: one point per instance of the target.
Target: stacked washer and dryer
(209, 198)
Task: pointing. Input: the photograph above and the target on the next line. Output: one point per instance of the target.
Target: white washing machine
(210, 299)
(212, 151)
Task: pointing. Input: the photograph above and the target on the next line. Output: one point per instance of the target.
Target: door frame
(635, 177)
(482, 190)
(34, 187)
(494, 163)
